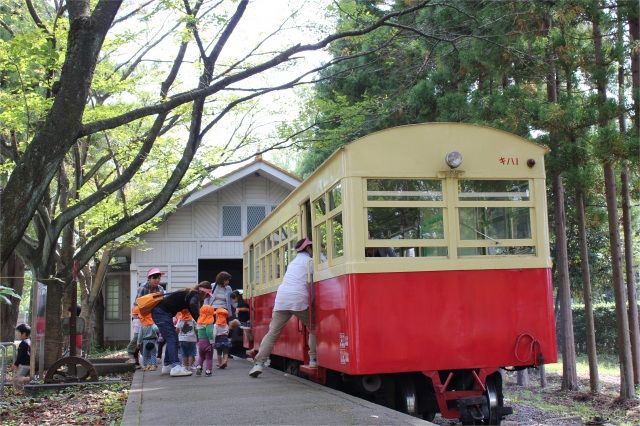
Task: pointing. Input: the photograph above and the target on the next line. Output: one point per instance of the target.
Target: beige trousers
(278, 321)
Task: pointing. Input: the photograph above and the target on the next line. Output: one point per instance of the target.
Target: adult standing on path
(292, 298)
(153, 283)
(221, 294)
(189, 298)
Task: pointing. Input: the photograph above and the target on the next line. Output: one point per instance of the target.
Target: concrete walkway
(231, 397)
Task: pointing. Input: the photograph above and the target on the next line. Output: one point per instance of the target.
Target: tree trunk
(634, 327)
(98, 329)
(627, 390)
(594, 379)
(523, 377)
(12, 276)
(634, 33)
(543, 376)
(569, 371)
(53, 342)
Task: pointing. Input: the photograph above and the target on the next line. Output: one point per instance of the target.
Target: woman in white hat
(292, 298)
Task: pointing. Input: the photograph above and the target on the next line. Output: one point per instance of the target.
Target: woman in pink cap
(292, 298)
(153, 283)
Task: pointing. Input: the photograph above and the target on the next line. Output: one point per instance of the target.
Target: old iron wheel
(494, 399)
(71, 369)
(292, 367)
(407, 396)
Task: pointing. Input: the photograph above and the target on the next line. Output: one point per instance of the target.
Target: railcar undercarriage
(474, 396)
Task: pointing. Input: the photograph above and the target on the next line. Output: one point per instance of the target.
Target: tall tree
(633, 137)
(607, 138)
(52, 187)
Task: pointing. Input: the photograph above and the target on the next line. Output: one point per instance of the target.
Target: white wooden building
(201, 238)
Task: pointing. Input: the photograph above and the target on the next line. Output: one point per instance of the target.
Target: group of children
(210, 332)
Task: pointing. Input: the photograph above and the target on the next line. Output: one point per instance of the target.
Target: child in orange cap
(132, 348)
(186, 328)
(205, 340)
(223, 344)
(147, 341)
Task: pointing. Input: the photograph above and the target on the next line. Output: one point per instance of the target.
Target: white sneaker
(166, 369)
(179, 370)
(256, 370)
(313, 363)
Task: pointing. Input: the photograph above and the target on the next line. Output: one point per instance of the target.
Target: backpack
(149, 301)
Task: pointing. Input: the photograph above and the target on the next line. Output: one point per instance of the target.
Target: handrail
(3, 366)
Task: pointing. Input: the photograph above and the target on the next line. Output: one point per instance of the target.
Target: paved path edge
(132, 410)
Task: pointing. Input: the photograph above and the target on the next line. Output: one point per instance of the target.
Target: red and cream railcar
(432, 268)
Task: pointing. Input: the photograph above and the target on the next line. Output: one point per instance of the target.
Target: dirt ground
(77, 405)
(532, 405)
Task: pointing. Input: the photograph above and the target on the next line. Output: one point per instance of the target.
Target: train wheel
(494, 399)
(292, 367)
(71, 369)
(407, 397)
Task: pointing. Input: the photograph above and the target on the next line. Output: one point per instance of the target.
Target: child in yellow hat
(132, 348)
(205, 332)
(186, 328)
(223, 344)
(148, 341)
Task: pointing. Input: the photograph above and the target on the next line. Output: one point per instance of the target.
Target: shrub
(605, 324)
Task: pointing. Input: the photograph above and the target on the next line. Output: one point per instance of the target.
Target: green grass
(607, 365)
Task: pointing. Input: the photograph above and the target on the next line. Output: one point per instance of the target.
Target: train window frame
(403, 248)
(323, 254)
(488, 246)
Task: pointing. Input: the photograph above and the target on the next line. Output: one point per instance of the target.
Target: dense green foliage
(488, 62)
(605, 324)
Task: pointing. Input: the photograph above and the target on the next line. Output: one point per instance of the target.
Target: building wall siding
(194, 232)
(180, 223)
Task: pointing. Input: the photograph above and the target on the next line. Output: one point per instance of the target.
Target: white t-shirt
(187, 331)
(293, 294)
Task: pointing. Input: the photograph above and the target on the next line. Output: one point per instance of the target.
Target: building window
(113, 299)
(231, 221)
(255, 214)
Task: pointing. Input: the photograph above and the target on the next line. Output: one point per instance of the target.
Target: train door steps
(230, 396)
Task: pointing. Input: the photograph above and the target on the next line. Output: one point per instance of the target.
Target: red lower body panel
(424, 321)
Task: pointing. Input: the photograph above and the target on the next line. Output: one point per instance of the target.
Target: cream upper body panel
(411, 152)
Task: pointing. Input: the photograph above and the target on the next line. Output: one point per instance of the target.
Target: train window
(276, 258)
(321, 237)
(406, 251)
(494, 223)
(284, 231)
(276, 238)
(319, 207)
(417, 223)
(493, 190)
(293, 228)
(497, 251)
(257, 271)
(404, 190)
(251, 264)
(337, 236)
(335, 196)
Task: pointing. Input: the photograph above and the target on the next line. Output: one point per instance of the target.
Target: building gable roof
(258, 167)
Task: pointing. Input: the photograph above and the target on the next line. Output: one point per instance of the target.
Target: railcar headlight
(453, 159)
